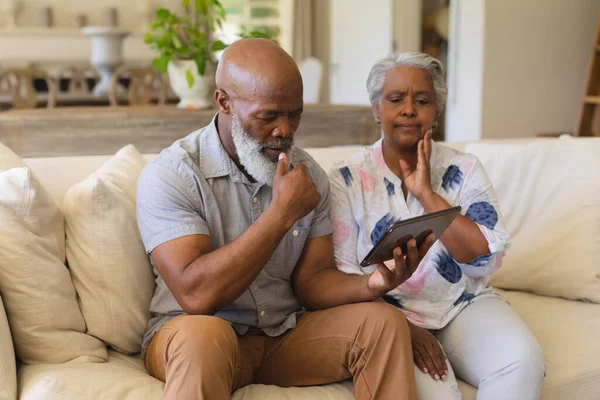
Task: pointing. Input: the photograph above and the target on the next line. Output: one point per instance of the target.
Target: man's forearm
(331, 288)
(221, 276)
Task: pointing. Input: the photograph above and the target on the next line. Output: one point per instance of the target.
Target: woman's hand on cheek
(418, 182)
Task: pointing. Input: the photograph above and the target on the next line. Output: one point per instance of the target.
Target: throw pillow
(111, 270)
(548, 192)
(40, 301)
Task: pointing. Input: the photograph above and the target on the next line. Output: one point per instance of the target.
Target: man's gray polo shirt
(193, 187)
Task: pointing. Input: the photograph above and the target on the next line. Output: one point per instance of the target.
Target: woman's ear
(376, 113)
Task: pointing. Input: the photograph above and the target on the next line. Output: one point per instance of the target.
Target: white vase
(107, 55)
(200, 95)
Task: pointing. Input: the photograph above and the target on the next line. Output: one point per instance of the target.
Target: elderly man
(236, 220)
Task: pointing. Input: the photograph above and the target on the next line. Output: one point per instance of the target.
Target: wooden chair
(78, 76)
(145, 86)
(21, 88)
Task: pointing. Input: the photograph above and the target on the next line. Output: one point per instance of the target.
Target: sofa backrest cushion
(549, 193)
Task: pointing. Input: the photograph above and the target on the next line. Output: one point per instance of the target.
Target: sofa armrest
(8, 369)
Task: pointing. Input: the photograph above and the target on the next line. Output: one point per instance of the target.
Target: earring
(377, 121)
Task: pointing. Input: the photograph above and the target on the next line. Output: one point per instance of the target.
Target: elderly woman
(459, 327)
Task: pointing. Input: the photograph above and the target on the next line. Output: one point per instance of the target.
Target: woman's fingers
(421, 160)
(419, 361)
(412, 258)
(385, 272)
(405, 169)
(433, 351)
(426, 245)
(429, 364)
(427, 144)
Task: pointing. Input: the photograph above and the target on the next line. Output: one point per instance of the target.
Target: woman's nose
(408, 110)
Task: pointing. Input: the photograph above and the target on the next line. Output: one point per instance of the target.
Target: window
(266, 14)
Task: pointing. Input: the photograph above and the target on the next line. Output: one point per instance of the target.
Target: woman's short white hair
(411, 59)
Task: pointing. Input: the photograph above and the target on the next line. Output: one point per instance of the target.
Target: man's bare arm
(202, 280)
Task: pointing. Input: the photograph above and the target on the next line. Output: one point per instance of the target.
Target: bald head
(251, 69)
(259, 95)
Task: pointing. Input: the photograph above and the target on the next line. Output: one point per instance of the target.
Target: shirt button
(262, 313)
(254, 200)
(295, 233)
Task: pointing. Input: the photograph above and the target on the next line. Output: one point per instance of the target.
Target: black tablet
(402, 231)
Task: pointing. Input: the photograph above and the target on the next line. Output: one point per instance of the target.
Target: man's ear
(223, 101)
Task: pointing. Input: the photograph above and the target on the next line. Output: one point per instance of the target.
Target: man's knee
(383, 315)
(200, 336)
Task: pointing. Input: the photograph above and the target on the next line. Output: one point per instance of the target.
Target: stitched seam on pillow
(109, 328)
(25, 206)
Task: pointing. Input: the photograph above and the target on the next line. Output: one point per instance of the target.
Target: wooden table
(65, 131)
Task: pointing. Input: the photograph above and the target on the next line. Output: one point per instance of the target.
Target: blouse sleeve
(345, 229)
(479, 203)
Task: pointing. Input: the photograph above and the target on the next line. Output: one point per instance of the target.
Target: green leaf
(189, 77)
(201, 6)
(176, 42)
(185, 3)
(201, 63)
(218, 46)
(163, 13)
(185, 52)
(160, 64)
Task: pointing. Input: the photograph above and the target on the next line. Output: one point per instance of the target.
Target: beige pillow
(41, 303)
(111, 271)
(549, 194)
(8, 368)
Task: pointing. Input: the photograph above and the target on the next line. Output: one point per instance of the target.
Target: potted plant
(186, 46)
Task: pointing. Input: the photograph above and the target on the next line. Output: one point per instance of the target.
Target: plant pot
(200, 95)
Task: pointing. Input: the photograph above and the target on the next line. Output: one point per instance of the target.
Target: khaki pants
(200, 357)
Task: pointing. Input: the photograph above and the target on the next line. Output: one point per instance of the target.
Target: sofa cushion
(8, 370)
(122, 377)
(111, 271)
(548, 192)
(125, 377)
(40, 301)
(567, 330)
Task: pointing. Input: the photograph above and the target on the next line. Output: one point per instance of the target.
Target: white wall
(465, 70)
(408, 16)
(517, 68)
(361, 33)
(536, 59)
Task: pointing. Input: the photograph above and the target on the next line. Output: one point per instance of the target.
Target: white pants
(490, 347)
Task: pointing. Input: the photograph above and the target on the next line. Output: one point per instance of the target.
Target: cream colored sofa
(567, 329)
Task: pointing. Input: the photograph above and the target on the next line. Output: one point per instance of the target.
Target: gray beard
(255, 162)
